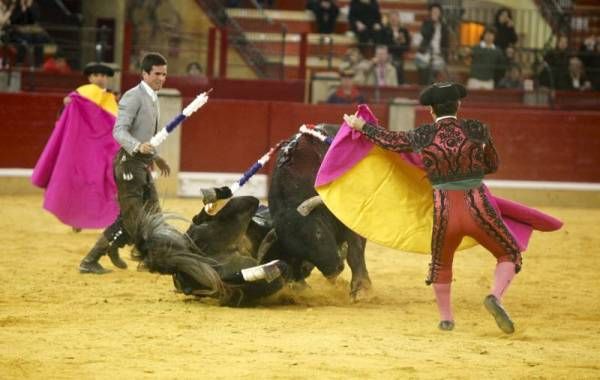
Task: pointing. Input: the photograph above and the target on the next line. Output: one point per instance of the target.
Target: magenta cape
(75, 167)
(386, 196)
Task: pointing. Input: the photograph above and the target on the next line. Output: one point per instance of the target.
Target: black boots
(90, 263)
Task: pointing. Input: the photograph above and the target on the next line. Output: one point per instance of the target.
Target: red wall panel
(242, 89)
(229, 135)
(26, 121)
(286, 118)
(540, 144)
(225, 136)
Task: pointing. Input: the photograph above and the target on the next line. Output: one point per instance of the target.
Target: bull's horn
(308, 205)
(265, 245)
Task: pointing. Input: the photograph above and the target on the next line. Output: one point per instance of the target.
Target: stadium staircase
(263, 30)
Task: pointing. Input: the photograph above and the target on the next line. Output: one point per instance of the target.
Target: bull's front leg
(361, 282)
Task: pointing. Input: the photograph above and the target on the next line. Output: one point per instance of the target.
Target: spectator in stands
(593, 70)
(351, 59)
(586, 50)
(5, 13)
(266, 3)
(365, 22)
(512, 79)
(505, 29)
(194, 69)
(379, 71)
(346, 93)
(486, 58)
(555, 73)
(57, 64)
(510, 59)
(397, 38)
(26, 32)
(326, 13)
(433, 49)
(577, 79)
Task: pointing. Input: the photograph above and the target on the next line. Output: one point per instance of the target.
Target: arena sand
(56, 323)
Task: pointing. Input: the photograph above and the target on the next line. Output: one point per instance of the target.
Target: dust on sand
(57, 323)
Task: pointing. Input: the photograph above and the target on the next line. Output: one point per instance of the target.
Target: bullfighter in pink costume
(456, 155)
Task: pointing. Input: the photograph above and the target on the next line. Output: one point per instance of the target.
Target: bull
(305, 233)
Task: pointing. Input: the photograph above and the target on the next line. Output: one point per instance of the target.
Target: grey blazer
(137, 120)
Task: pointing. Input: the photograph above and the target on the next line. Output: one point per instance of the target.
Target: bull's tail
(161, 248)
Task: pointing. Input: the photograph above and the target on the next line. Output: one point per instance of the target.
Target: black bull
(318, 238)
(281, 232)
(241, 234)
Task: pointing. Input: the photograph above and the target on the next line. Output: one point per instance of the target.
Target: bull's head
(217, 233)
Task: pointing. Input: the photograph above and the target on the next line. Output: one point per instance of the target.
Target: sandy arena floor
(56, 323)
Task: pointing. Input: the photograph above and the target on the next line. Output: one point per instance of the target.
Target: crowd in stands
(384, 47)
(494, 61)
(19, 26)
(568, 69)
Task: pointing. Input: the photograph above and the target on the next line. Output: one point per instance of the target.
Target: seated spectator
(326, 13)
(556, 69)
(510, 59)
(432, 54)
(577, 79)
(25, 31)
(512, 79)
(379, 71)
(505, 29)
(486, 58)
(397, 38)
(194, 69)
(586, 50)
(5, 13)
(593, 70)
(57, 64)
(346, 93)
(351, 59)
(365, 21)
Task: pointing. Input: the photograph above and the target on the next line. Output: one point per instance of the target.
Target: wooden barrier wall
(26, 121)
(229, 135)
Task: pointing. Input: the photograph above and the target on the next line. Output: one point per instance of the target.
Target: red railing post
(127, 48)
(127, 51)
(210, 54)
(223, 54)
(302, 56)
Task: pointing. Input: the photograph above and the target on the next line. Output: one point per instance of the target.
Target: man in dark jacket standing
(433, 49)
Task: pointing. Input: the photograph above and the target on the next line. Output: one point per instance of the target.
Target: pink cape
(350, 147)
(75, 167)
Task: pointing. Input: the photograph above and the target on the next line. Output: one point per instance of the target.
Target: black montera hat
(98, 68)
(442, 92)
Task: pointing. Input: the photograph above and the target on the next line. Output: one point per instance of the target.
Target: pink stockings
(503, 275)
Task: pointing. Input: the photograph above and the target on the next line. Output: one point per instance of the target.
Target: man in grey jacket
(137, 122)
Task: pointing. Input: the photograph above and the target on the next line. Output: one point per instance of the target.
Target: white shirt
(150, 91)
(445, 117)
(436, 40)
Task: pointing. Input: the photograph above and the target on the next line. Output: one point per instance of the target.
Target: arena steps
(264, 29)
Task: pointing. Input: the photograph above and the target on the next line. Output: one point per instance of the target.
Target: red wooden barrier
(229, 135)
(210, 54)
(223, 54)
(26, 121)
(240, 89)
(127, 47)
(225, 136)
(302, 56)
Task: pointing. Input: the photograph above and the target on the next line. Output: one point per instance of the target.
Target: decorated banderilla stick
(213, 194)
(194, 106)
